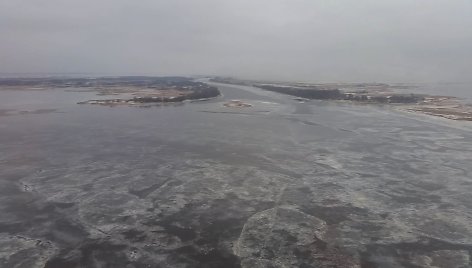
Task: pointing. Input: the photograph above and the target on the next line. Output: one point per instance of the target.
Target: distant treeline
(336, 94)
(201, 91)
(396, 98)
(311, 93)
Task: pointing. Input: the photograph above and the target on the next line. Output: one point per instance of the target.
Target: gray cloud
(311, 40)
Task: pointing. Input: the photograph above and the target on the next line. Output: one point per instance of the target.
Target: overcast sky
(310, 40)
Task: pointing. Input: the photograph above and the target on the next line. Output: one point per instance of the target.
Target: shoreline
(126, 90)
(447, 107)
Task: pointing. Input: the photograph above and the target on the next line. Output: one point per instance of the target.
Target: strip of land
(129, 90)
(367, 93)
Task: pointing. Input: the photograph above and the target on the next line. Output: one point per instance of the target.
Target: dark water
(281, 184)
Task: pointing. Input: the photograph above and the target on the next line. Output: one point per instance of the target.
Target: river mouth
(279, 183)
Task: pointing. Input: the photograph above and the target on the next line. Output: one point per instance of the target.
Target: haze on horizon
(310, 40)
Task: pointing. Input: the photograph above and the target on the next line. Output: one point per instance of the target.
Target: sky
(298, 40)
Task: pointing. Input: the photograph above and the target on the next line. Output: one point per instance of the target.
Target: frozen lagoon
(278, 184)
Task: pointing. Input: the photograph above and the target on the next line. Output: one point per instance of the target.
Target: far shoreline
(448, 107)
